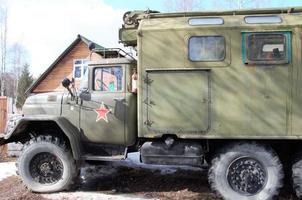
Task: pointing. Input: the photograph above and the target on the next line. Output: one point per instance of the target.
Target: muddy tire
(47, 165)
(246, 171)
(297, 176)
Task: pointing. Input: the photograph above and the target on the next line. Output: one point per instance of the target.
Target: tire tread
(219, 157)
(59, 143)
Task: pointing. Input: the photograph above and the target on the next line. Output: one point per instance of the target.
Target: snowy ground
(89, 174)
(7, 169)
(88, 196)
(124, 180)
(93, 175)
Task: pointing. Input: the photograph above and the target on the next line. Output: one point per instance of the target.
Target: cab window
(207, 48)
(266, 48)
(108, 79)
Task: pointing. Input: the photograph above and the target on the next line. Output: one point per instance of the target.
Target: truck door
(177, 103)
(102, 118)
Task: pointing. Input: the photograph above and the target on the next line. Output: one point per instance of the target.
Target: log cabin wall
(64, 68)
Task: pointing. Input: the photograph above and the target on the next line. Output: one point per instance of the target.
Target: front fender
(22, 124)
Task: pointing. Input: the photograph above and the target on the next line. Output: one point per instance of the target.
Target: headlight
(12, 122)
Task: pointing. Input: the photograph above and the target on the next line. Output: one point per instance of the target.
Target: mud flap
(2, 140)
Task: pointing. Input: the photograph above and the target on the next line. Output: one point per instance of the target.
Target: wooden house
(72, 63)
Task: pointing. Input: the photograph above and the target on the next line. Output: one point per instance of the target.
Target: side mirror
(66, 83)
(85, 94)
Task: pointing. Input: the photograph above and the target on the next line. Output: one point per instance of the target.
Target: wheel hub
(246, 176)
(46, 168)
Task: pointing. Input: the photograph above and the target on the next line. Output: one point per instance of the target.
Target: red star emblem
(102, 113)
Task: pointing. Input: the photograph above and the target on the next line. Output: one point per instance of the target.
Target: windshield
(84, 81)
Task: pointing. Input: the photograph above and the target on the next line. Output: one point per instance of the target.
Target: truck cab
(106, 108)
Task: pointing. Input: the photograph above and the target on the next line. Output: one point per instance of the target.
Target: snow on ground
(90, 173)
(97, 173)
(7, 169)
(88, 196)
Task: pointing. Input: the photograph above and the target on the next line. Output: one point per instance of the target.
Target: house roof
(69, 48)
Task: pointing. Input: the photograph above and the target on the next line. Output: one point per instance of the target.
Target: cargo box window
(206, 21)
(108, 79)
(263, 20)
(266, 48)
(207, 48)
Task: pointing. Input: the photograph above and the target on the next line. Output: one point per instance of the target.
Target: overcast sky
(46, 27)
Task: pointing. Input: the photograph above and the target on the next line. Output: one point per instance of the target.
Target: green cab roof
(229, 12)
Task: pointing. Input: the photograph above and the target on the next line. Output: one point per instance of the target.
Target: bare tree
(239, 4)
(12, 58)
(17, 57)
(3, 45)
(197, 5)
(183, 5)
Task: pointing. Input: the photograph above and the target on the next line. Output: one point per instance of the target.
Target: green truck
(222, 88)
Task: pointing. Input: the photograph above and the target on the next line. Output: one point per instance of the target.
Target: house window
(79, 68)
(266, 48)
(108, 79)
(207, 48)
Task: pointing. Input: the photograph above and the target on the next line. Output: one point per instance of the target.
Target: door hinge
(148, 81)
(140, 33)
(148, 123)
(149, 103)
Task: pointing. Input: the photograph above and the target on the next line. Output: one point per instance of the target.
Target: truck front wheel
(246, 171)
(46, 165)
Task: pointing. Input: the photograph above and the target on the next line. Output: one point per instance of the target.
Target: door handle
(119, 99)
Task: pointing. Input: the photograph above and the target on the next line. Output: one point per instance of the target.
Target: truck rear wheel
(246, 171)
(47, 165)
(297, 176)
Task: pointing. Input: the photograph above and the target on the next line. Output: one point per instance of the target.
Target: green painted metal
(177, 102)
(257, 11)
(24, 124)
(247, 101)
(77, 117)
(120, 127)
(129, 35)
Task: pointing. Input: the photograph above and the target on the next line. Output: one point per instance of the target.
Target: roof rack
(113, 52)
(230, 12)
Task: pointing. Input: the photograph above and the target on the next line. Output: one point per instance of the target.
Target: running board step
(104, 158)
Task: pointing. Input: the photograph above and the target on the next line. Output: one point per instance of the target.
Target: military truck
(222, 88)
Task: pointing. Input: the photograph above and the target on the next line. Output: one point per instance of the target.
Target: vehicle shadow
(149, 181)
